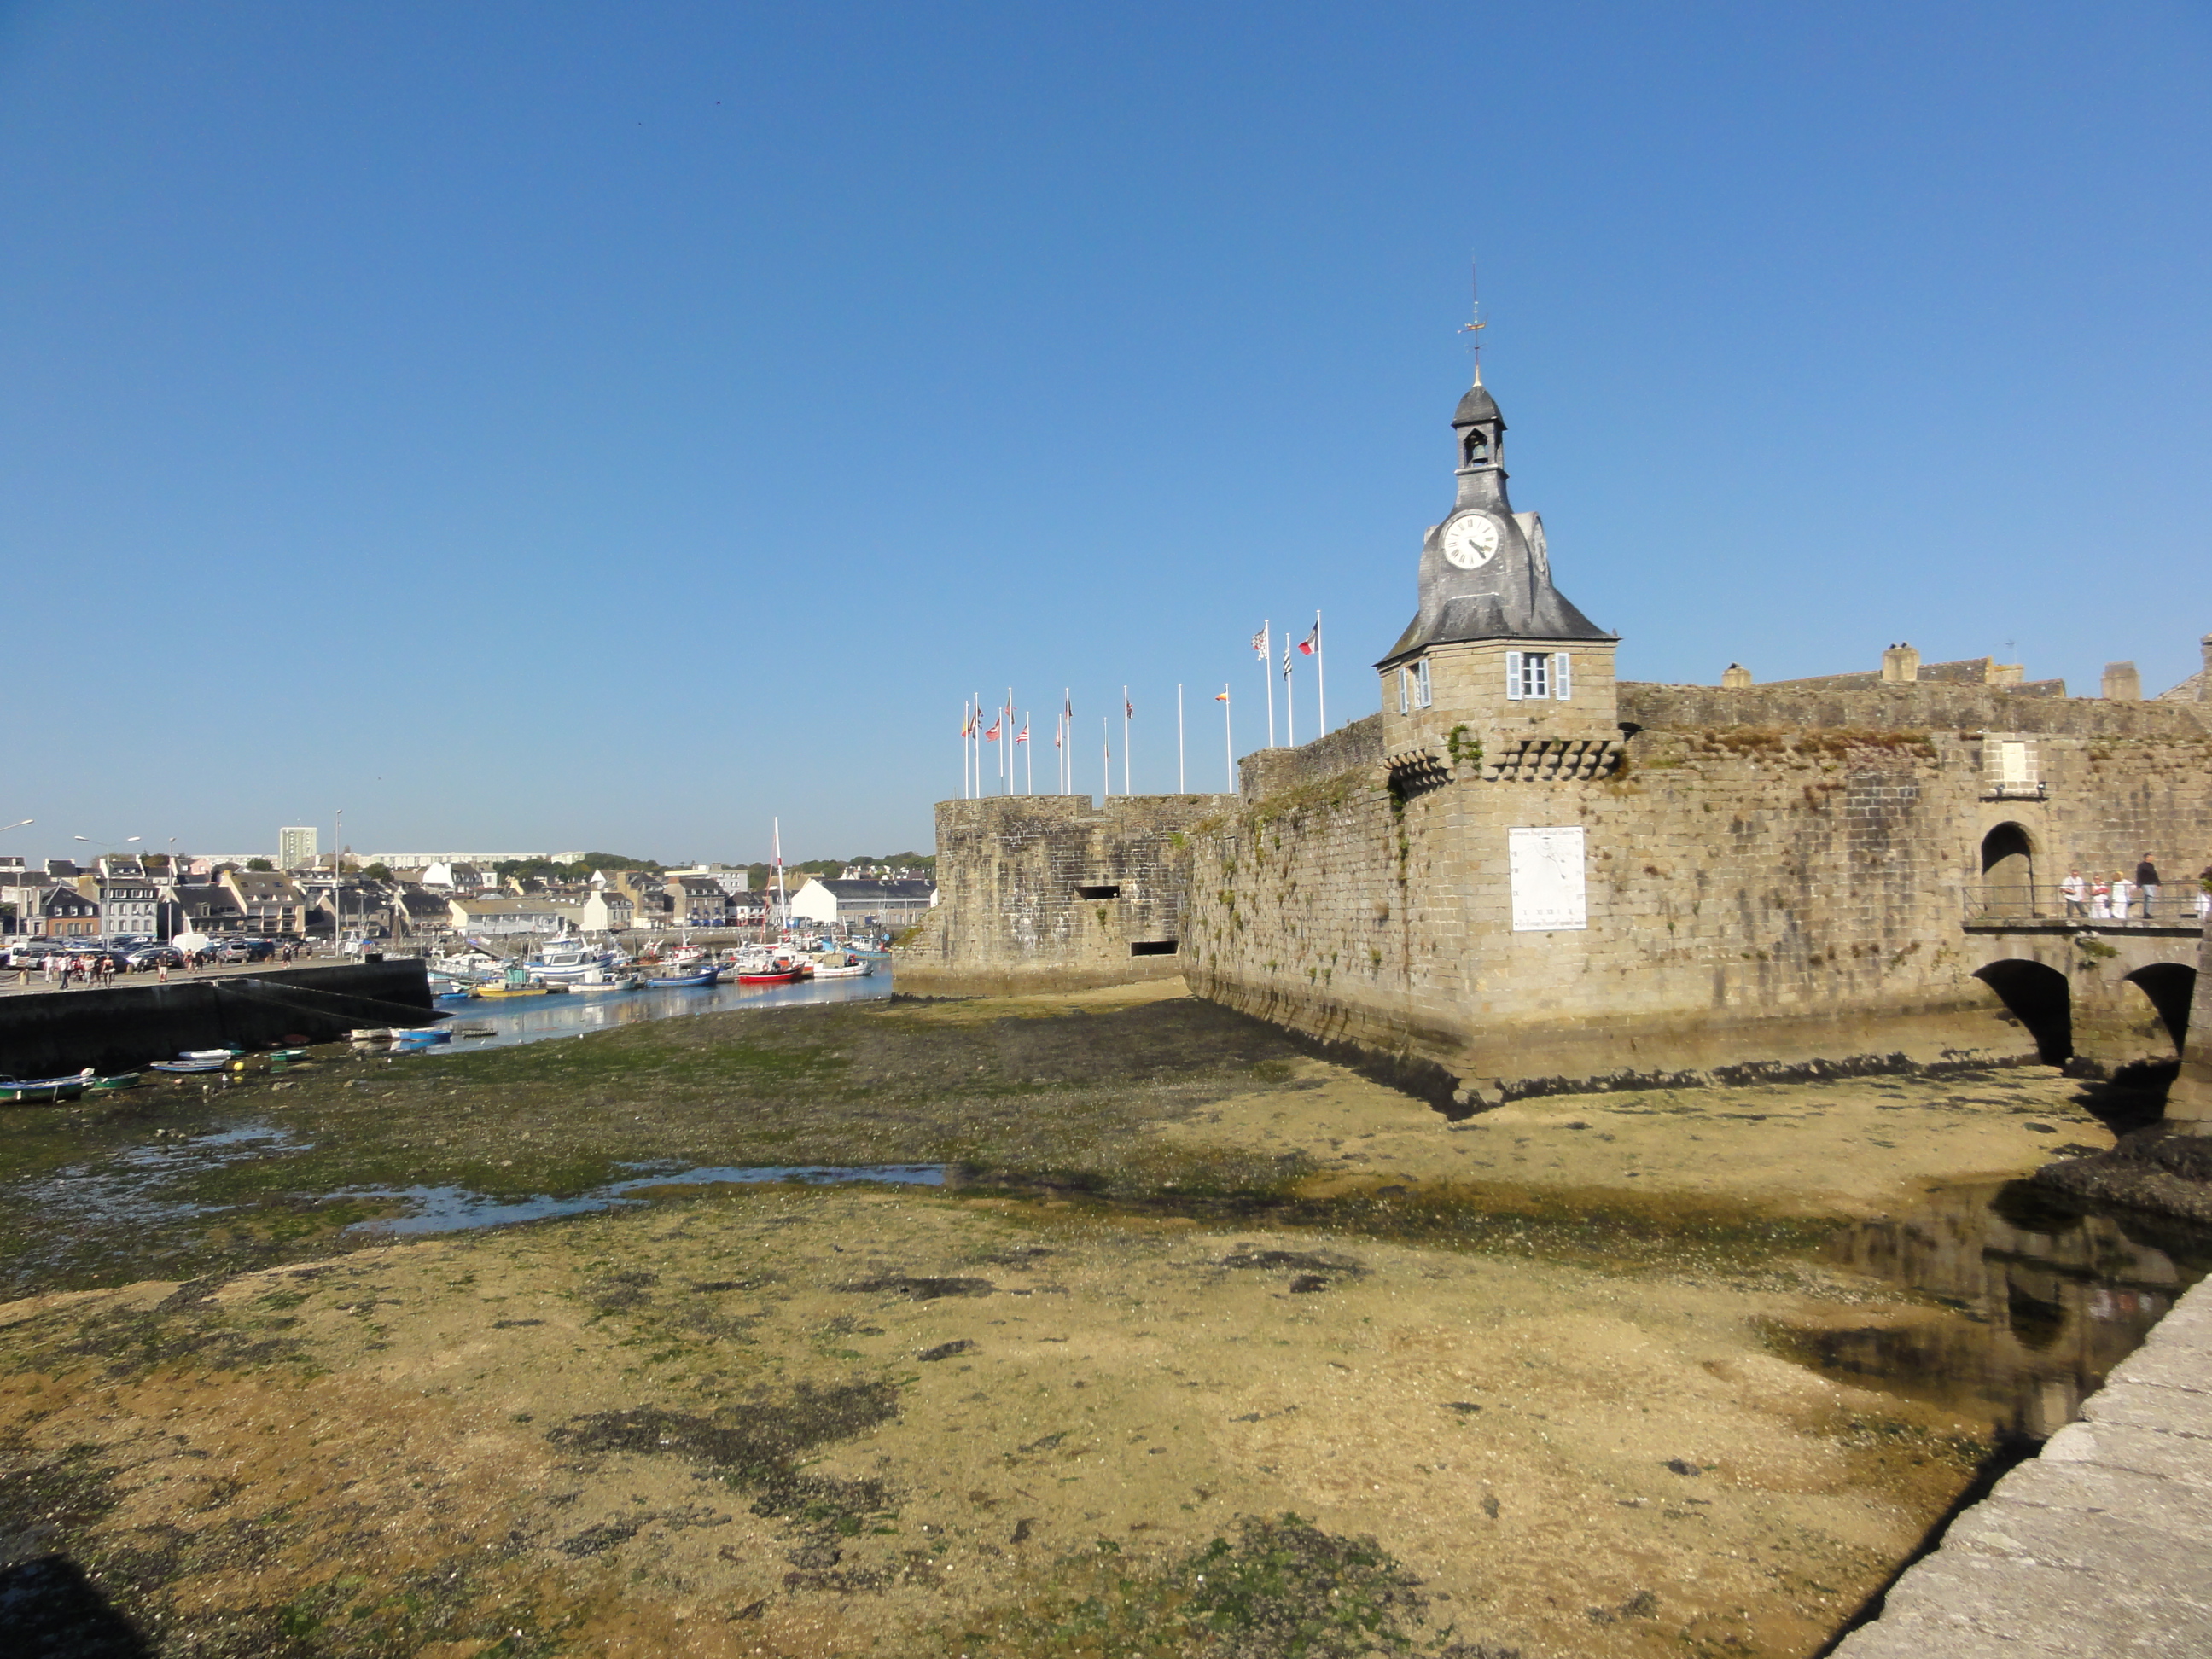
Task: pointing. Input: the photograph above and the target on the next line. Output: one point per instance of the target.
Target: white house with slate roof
(857, 903)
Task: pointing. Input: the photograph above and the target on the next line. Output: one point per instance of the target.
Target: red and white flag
(992, 736)
(1023, 736)
(1260, 643)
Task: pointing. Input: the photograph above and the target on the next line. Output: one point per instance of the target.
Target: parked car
(29, 952)
(153, 956)
(244, 950)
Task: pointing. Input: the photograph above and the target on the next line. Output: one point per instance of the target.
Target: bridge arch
(2171, 987)
(2040, 999)
(2009, 870)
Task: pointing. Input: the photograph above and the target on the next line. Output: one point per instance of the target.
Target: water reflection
(2044, 1299)
(501, 1022)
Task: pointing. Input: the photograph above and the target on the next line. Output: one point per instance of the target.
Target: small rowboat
(705, 977)
(587, 987)
(100, 1085)
(210, 1053)
(427, 1037)
(34, 1092)
(180, 1066)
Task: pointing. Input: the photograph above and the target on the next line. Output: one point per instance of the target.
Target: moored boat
(184, 1066)
(703, 977)
(39, 1090)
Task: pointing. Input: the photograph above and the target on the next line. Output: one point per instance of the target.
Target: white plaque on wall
(1545, 869)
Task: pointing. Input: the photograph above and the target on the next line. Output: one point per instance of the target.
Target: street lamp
(18, 920)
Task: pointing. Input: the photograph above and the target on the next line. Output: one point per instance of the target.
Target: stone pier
(2101, 1545)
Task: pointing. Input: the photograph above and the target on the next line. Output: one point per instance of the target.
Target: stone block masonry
(1053, 893)
(2100, 1547)
(1761, 900)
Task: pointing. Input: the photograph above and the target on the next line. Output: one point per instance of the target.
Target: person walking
(2124, 895)
(2147, 879)
(2101, 900)
(2075, 891)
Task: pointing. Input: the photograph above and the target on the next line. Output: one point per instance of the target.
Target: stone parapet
(1924, 706)
(1265, 772)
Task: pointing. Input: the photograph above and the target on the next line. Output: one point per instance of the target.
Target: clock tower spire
(1496, 658)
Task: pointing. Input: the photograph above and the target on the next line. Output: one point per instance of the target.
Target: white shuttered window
(1513, 676)
(1562, 684)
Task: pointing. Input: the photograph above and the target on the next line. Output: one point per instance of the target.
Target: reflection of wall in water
(2048, 1302)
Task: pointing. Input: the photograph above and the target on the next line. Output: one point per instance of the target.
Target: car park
(155, 956)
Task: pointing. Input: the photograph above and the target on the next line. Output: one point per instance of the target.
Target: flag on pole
(1260, 642)
(1287, 658)
(1129, 709)
(1311, 643)
(1221, 696)
(992, 736)
(1023, 736)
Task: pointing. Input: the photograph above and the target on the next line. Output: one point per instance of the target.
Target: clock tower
(1498, 675)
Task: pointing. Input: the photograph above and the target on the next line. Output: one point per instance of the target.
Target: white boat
(564, 961)
(603, 980)
(840, 964)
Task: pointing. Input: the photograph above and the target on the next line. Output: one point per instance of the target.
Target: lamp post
(18, 918)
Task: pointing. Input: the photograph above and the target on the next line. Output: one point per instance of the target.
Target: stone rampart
(1267, 772)
(1054, 892)
(1925, 706)
(1761, 900)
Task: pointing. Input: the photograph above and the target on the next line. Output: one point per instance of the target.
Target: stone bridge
(2110, 992)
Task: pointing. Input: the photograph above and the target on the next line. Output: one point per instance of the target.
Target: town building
(273, 904)
(835, 902)
(606, 910)
(296, 847)
(494, 917)
(130, 898)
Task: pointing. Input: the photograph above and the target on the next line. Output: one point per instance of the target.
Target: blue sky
(590, 425)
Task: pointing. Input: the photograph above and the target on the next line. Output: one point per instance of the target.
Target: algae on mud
(1210, 1285)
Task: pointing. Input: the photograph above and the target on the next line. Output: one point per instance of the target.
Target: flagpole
(1289, 697)
(1125, 740)
(1228, 738)
(1067, 744)
(1106, 757)
(1180, 790)
(1029, 760)
(1320, 674)
(1268, 674)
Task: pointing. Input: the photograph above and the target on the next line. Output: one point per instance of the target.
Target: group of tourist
(2116, 898)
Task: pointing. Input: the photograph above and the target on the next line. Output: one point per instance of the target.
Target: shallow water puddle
(2032, 1302)
(457, 1209)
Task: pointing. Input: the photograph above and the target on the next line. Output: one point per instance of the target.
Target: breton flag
(1311, 643)
(992, 736)
(1260, 642)
(1287, 658)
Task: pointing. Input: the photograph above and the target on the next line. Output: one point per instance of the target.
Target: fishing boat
(788, 973)
(35, 1091)
(426, 1037)
(840, 964)
(568, 960)
(184, 1066)
(606, 981)
(518, 983)
(701, 977)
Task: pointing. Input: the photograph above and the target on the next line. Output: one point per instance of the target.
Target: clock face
(1471, 543)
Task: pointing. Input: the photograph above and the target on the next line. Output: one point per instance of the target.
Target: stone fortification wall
(1052, 892)
(1920, 706)
(1758, 898)
(1265, 772)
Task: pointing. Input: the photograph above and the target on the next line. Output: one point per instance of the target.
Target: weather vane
(1475, 325)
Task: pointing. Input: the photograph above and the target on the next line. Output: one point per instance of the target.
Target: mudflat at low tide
(1165, 1338)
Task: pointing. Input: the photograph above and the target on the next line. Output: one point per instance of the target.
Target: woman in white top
(2100, 901)
(2123, 897)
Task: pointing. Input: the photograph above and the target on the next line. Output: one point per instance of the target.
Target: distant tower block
(1736, 678)
(1900, 666)
(2121, 683)
(296, 847)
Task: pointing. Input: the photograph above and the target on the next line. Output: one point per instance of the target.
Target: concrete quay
(2101, 1546)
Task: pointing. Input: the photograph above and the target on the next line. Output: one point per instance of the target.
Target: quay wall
(2096, 1546)
(1054, 893)
(123, 1029)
